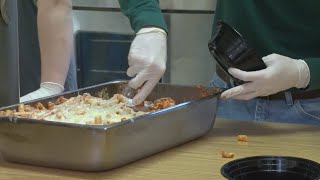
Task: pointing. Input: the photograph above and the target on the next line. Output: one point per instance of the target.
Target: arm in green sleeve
(314, 66)
(143, 13)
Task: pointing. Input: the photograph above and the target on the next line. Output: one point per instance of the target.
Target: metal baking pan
(103, 147)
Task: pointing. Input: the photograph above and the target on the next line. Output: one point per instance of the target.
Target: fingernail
(223, 97)
(136, 101)
(231, 70)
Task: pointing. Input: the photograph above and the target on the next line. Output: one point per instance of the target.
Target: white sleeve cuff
(152, 29)
(304, 74)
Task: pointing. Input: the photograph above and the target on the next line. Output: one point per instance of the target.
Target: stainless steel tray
(103, 147)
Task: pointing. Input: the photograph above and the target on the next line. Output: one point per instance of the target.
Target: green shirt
(286, 27)
(143, 13)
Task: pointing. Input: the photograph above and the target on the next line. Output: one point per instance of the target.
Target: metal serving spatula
(130, 93)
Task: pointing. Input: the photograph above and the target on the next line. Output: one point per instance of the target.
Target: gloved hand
(46, 89)
(147, 61)
(281, 74)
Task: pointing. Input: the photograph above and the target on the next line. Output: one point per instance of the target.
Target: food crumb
(225, 154)
(243, 138)
(97, 120)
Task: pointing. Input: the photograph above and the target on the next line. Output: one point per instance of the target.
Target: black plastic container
(230, 49)
(271, 168)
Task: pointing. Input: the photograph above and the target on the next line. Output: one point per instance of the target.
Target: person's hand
(147, 61)
(281, 74)
(46, 89)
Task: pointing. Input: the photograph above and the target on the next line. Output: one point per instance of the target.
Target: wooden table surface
(199, 159)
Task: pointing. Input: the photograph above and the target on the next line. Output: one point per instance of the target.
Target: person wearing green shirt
(284, 34)
(148, 52)
(147, 63)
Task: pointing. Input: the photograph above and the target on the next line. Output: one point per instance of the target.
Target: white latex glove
(282, 73)
(46, 89)
(147, 61)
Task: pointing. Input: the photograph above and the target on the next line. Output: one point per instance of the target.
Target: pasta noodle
(87, 109)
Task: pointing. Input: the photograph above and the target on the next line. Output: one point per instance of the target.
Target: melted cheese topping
(86, 109)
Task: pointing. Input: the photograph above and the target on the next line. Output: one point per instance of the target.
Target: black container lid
(271, 168)
(230, 49)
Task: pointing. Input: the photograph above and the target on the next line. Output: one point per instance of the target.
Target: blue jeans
(304, 111)
(71, 79)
